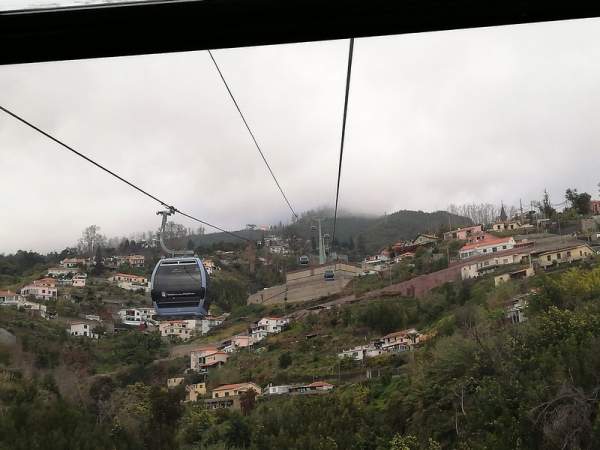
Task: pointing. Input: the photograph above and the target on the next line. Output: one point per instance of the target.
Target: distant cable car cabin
(304, 260)
(329, 275)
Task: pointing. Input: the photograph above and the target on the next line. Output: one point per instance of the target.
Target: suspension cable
(110, 172)
(252, 135)
(337, 193)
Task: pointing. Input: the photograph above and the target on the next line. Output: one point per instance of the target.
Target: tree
(579, 202)
(90, 240)
(285, 360)
(247, 401)
(545, 207)
(98, 264)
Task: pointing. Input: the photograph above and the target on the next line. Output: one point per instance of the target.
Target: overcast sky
(485, 115)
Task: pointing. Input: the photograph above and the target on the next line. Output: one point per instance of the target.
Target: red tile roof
(226, 387)
(487, 240)
(7, 294)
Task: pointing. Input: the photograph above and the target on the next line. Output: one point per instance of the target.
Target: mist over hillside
(377, 231)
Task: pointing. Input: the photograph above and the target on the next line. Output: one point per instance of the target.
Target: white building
(209, 322)
(79, 280)
(273, 325)
(278, 249)
(40, 292)
(361, 352)
(136, 316)
(278, 390)
(183, 329)
(82, 329)
(481, 266)
(487, 246)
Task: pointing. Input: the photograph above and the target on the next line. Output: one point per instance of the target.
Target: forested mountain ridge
(374, 231)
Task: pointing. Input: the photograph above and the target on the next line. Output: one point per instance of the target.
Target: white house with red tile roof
(488, 244)
(41, 289)
(314, 387)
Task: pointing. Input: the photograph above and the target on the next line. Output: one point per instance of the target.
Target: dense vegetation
(480, 383)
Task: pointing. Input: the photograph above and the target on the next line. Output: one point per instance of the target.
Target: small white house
(273, 325)
(136, 316)
(278, 390)
(82, 329)
(79, 280)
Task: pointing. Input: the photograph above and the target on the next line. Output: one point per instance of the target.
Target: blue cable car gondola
(179, 288)
(179, 284)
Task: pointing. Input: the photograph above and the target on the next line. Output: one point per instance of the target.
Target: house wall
(472, 270)
(547, 259)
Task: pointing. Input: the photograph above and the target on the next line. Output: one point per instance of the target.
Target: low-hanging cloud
(494, 114)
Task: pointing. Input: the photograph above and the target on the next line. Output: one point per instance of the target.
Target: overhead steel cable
(110, 172)
(337, 193)
(252, 135)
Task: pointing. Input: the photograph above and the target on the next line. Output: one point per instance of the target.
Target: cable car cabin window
(179, 278)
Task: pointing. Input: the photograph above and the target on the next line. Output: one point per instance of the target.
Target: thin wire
(129, 183)
(337, 193)
(252, 134)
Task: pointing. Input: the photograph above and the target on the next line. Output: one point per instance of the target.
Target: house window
(494, 249)
(485, 250)
(568, 254)
(549, 257)
(504, 247)
(580, 253)
(559, 255)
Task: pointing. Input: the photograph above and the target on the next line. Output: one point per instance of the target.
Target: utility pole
(521, 205)
(321, 244)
